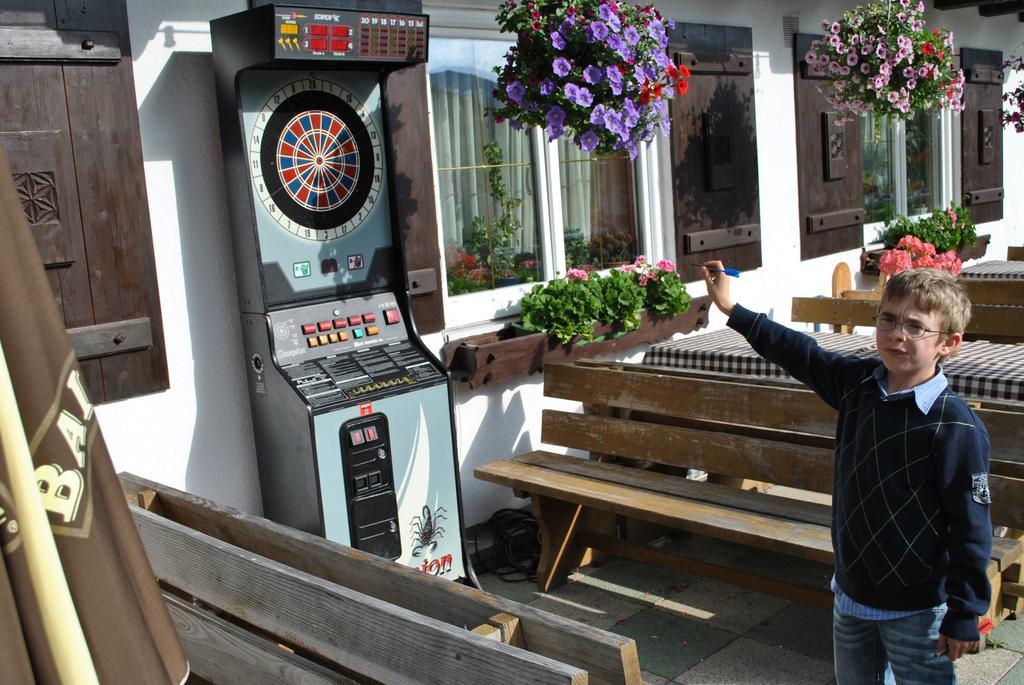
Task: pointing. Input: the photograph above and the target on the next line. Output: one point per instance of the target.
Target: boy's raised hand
(718, 285)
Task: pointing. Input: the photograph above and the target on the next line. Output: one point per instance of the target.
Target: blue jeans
(900, 651)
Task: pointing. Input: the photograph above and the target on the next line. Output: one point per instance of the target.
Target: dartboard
(316, 159)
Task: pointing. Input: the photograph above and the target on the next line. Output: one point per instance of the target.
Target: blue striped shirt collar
(925, 394)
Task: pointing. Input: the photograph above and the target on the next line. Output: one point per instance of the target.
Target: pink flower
(665, 265)
(894, 261)
(577, 275)
(640, 260)
(916, 246)
(950, 262)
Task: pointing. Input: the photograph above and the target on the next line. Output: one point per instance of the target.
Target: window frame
(945, 166)
(470, 310)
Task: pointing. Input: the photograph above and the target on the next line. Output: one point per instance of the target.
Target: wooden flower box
(869, 258)
(499, 356)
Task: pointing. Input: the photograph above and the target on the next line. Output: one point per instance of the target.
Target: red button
(391, 316)
(324, 325)
(371, 433)
(340, 30)
(354, 320)
(369, 318)
(318, 29)
(339, 45)
(308, 328)
(356, 437)
(318, 44)
(339, 323)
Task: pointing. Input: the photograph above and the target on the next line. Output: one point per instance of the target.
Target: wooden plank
(222, 652)
(610, 659)
(116, 337)
(362, 634)
(1005, 291)
(681, 395)
(829, 221)
(1007, 551)
(745, 500)
(22, 44)
(779, 535)
(990, 322)
(798, 466)
(1015, 254)
(814, 596)
(1014, 589)
(1007, 501)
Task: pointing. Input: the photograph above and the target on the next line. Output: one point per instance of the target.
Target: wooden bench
(643, 426)
(997, 307)
(257, 602)
(1015, 254)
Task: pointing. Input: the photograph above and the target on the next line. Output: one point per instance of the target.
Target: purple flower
(561, 66)
(593, 75)
(515, 125)
(557, 41)
(597, 31)
(554, 132)
(661, 59)
(588, 141)
(547, 87)
(555, 117)
(615, 42)
(597, 115)
(583, 97)
(605, 12)
(613, 23)
(571, 90)
(515, 91)
(614, 80)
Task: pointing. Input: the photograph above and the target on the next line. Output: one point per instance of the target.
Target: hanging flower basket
(1012, 113)
(880, 58)
(591, 70)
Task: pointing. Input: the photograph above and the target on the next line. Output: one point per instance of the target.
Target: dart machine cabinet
(352, 413)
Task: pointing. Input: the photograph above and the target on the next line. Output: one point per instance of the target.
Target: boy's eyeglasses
(884, 322)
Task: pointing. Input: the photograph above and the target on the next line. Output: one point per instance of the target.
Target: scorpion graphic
(426, 531)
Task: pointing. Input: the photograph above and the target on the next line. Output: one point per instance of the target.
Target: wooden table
(982, 370)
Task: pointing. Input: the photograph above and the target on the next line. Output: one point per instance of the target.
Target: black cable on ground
(516, 546)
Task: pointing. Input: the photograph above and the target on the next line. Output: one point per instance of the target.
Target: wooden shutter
(981, 144)
(70, 129)
(828, 158)
(714, 150)
(414, 194)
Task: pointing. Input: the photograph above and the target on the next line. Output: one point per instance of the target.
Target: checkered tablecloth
(994, 269)
(982, 370)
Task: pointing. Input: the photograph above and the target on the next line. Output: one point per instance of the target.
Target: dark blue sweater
(910, 515)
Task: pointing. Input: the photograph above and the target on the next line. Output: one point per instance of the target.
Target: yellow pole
(57, 609)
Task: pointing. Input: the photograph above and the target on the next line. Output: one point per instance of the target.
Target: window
(903, 166)
(516, 209)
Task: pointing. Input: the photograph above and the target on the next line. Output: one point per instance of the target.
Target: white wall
(197, 435)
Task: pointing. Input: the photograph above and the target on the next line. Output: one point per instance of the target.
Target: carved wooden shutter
(714, 150)
(828, 166)
(69, 126)
(981, 146)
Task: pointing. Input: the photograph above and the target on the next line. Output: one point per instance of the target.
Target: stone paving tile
(1015, 675)
(523, 592)
(652, 679)
(724, 606)
(799, 628)
(642, 582)
(588, 604)
(748, 662)
(668, 644)
(985, 668)
(1010, 635)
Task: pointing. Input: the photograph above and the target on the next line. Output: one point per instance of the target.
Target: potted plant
(570, 307)
(912, 253)
(1012, 113)
(592, 70)
(947, 229)
(881, 58)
